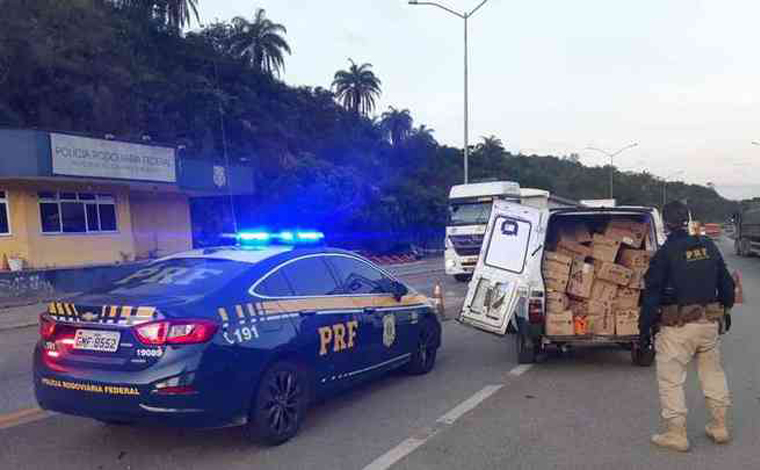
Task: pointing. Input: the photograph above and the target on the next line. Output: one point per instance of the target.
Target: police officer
(688, 293)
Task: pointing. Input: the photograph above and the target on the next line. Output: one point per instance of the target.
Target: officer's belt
(675, 315)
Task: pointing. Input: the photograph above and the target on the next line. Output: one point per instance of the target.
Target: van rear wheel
(642, 357)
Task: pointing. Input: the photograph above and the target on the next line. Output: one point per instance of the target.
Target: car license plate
(94, 340)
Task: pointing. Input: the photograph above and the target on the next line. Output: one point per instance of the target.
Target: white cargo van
(507, 291)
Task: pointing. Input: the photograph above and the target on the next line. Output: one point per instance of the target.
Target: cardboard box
(574, 249)
(637, 279)
(604, 249)
(578, 233)
(560, 324)
(635, 259)
(578, 307)
(603, 291)
(559, 285)
(627, 298)
(556, 301)
(581, 279)
(627, 322)
(557, 264)
(603, 325)
(627, 232)
(614, 273)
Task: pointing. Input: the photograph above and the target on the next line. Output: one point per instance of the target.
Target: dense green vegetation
(320, 159)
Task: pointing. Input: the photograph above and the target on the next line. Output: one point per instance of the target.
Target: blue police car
(244, 335)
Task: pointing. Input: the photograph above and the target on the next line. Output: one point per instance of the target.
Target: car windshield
(470, 213)
(178, 277)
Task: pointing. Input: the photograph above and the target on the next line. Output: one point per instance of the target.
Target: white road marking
(408, 446)
(386, 460)
(468, 404)
(521, 369)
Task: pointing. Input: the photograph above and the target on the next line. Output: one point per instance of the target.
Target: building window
(5, 225)
(77, 212)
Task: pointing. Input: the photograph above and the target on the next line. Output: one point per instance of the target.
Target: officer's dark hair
(675, 215)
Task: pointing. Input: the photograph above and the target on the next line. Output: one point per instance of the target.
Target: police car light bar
(287, 237)
(310, 236)
(254, 236)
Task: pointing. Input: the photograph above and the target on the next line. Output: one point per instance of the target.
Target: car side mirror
(399, 291)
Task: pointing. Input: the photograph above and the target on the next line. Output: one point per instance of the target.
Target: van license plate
(94, 340)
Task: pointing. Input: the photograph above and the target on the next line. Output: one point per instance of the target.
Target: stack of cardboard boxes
(594, 280)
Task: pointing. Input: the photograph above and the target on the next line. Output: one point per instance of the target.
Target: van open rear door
(500, 283)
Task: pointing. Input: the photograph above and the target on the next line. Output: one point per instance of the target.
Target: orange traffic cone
(438, 300)
(738, 290)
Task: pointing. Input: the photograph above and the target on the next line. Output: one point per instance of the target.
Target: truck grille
(466, 245)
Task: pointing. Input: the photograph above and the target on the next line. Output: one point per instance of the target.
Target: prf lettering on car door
(340, 335)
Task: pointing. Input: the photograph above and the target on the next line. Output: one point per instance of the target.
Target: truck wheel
(525, 354)
(642, 357)
(462, 277)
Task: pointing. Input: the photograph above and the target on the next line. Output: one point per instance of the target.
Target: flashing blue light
(310, 236)
(286, 237)
(254, 236)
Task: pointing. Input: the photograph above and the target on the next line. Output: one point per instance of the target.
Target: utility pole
(612, 156)
(464, 16)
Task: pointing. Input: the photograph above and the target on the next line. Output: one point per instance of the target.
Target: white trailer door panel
(499, 286)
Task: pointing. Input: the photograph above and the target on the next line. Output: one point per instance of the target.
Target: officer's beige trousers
(676, 346)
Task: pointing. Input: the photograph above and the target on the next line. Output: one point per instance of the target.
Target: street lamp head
(413, 2)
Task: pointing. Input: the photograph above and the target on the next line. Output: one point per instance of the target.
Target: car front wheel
(280, 404)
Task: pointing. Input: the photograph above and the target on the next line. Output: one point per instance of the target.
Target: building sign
(83, 156)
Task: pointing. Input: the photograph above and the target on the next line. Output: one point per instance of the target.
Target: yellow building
(69, 200)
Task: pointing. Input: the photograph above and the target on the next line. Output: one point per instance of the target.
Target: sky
(553, 77)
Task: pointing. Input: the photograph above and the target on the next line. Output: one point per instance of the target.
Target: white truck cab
(507, 289)
(469, 211)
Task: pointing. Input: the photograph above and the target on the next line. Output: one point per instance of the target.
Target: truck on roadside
(469, 211)
(747, 232)
(563, 276)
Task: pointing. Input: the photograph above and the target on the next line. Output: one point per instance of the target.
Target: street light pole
(464, 16)
(612, 156)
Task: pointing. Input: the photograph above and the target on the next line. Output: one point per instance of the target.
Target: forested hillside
(323, 156)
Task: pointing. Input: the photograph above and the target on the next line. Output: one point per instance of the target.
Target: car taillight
(176, 332)
(47, 327)
(536, 311)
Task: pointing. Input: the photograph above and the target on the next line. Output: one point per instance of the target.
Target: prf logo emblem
(340, 335)
(697, 254)
(389, 330)
(220, 176)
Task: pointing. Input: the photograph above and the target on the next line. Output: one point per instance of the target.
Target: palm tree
(425, 135)
(175, 13)
(396, 125)
(491, 145)
(178, 12)
(260, 43)
(357, 88)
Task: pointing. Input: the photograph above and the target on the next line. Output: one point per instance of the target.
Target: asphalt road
(476, 409)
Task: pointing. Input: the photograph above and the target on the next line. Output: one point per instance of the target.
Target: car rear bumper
(131, 398)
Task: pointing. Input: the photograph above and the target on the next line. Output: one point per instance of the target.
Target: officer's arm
(726, 285)
(654, 280)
